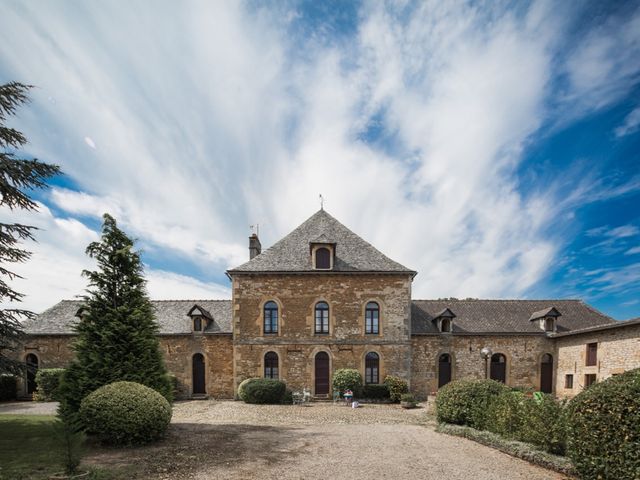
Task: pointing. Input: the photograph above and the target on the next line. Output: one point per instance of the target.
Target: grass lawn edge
(514, 448)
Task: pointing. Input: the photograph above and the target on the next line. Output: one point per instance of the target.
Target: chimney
(254, 246)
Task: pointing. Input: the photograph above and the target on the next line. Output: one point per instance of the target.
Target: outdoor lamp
(486, 353)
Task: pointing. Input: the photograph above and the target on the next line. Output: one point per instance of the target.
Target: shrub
(408, 398)
(397, 386)
(264, 390)
(287, 398)
(604, 428)
(375, 392)
(466, 402)
(47, 382)
(505, 414)
(125, 413)
(347, 379)
(544, 424)
(241, 388)
(8, 387)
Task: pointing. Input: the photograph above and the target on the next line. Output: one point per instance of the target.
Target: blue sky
(492, 146)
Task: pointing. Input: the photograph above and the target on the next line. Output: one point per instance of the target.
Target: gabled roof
(199, 311)
(172, 317)
(547, 312)
(445, 313)
(291, 254)
(503, 316)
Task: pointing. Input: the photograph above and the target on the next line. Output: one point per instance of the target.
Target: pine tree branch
(12, 95)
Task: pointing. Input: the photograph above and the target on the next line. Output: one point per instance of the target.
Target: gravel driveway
(231, 440)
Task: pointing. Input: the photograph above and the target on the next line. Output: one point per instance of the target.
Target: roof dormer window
(323, 258)
(549, 324)
(547, 319)
(200, 318)
(322, 253)
(444, 320)
(197, 323)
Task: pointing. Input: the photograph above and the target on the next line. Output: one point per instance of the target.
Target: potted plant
(407, 400)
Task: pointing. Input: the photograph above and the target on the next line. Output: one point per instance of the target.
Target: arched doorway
(546, 373)
(322, 373)
(198, 374)
(444, 369)
(499, 367)
(32, 368)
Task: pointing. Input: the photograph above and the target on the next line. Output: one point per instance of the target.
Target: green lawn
(31, 448)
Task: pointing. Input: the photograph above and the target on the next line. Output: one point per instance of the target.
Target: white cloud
(172, 286)
(209, 118)
(633, 251)
(630, 125)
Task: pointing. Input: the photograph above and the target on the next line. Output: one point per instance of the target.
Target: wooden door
(32, 369)
(499, 368)
(546, 374)
(322, 373)
(444, 370)
(198, 374)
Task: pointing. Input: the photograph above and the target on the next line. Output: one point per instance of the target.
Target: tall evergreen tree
(117, 331)
(18, 177)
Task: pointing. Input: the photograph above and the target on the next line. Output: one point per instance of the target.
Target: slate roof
(597, 328)
(171, 316)
(292, 253)
(503, 316)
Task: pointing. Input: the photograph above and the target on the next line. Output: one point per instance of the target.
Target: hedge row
(264, 390)
(47, 383)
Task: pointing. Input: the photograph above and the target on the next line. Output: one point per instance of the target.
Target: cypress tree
(18, 178)
(117, 332)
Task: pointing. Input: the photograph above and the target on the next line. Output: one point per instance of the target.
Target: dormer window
(444, 320)
(323, 258)
(549, 324)
(200, 318)
(197, 323)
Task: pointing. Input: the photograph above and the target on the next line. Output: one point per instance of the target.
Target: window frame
(369, 327)
(371, 369)
(591, 357)
(449, 325)
(568, 381)
(270, 371)
(321, 308)
(328, 258)
(590, 379)
(268, 315)
(197, 323)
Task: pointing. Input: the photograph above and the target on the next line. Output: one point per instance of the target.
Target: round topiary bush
(466, 402)
(125, 413)
(241, 388)
(264, 390)
(604, 428)
(347, 379)
(397, 387)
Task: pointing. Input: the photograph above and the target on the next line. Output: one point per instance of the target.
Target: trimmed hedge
(519, 417)
(397, 386)
(264, 390)
(376, 392)
(466, 402)
(8, 387)
(604, 428)
(347, 379)
(47, 382)
(125, 413)
(241, 388)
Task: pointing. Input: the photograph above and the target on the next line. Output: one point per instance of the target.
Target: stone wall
(618, 351)
(178, 352)
(296, 342)
(523, 354)
(55, 351)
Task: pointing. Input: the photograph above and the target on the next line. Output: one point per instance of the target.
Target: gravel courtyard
(232, 440)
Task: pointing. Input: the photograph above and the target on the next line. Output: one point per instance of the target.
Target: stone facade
(296, 343)
(618, 350)
(523, 356)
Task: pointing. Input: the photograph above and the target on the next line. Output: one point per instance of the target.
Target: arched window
(549, 324)
(322, 318)
(445, 326)
(197, 323)
(372, 318)
(372, 368)
(32, 368)
(271, 365)
(270, 317)
(498, 367)
(323, 258)
(444, 369)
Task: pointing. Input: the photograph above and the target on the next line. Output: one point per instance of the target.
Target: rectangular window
(592, 354)
(322, 321)
(371, 324)
(197, 324)
(589, 379)
(568, 381)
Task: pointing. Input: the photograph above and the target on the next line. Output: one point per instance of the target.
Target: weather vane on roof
(321, 202)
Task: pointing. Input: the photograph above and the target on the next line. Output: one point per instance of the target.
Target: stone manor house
(322, 299)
